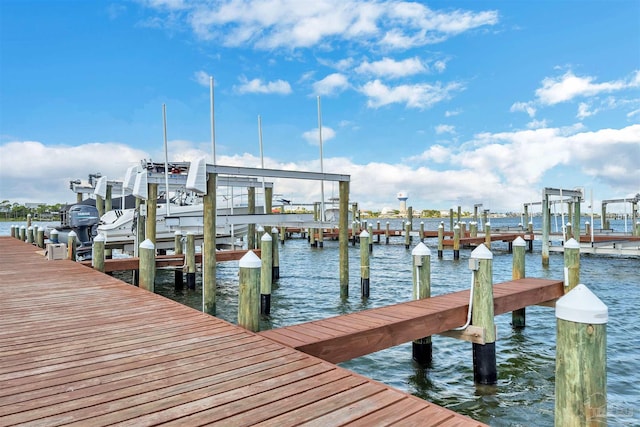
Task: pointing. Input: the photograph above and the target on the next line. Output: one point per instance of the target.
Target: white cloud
(452, 113)
(537, 124)
(269, 24)
(420, 95)
(569, 86)
(440, 129)
(387, 67)
(584, 111)
(313, 136)
(202, 78)
(440, 66)
(280, 87)
(331, 85)
(526, 107)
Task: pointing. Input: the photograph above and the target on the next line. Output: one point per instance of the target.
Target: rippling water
(308, 289)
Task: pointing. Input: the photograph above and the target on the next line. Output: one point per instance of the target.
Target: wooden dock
(341, 338)
(78, 347)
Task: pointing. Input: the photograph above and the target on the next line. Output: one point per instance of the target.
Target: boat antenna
(166, 159)
(322, 216)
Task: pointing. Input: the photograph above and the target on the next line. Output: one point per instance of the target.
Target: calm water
(308, 289)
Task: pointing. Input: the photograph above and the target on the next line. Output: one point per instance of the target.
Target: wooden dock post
(191, 260)
(487, 234)
(568, 231)
(71, 245)
(378, 228)
(571, 264)
(546, 223)
(518, 272)
(473, 229)
(147, 265)
(456, 241)
(275, 255)
(581, 359)
(266, 245)
(249, 291)
(209, 246)
(30, 234)
(422, 348)
(108, 205)
(422, 231)
(484, 355)
(576, 218)
(97, 253)
(387, 233)
(440, 239)
(370, 231)
(587, 228)
(343, 238)
(260, 232)
(13, 231)
(28, 220)
(23, 233)
(177, 249)
(450, 219)
(251, 210)
(40, 237)
(320, 240)
(638, 228)
(152, 209)
(53, 236)
(463, 229)
(407, 235)
(312, 237)
(354, 230)
(283, 234)
(364, 264)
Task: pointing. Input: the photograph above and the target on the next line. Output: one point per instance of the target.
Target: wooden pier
(341, 338)
(78, 347)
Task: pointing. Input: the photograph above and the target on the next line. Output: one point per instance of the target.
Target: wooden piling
(463, 229)
(378, 228)
(147, 266)
(71, 245)
(568, 231)
(152, 209)
(53, 236)
(456, 242)
(209, 246)
(249, 291)
(259, 232)
(343, 239)
(30, 234)
(13, 231)
(251, 210)
(451, 220)
(23, 233)
(364, 264)
(275, 256)
(108, 206)
(440, 239)
(177, 249)
(473, 229)
(320, 239)
(407, 235)
(571, 264)
(546, 223)
(422, 231)
(518, 317)
(28, 220)
(266, 244)
(487, 234)
(40, 237)
(97, 253)
(587, 228)
(387, 233)
(484, 355)
(191, 260)
(312, 237)
(581, 359)
(422, 348)
(576, 219)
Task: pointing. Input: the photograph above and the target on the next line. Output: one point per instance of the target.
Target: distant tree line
(17, 212)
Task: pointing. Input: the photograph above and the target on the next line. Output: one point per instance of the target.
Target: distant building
(402, 197)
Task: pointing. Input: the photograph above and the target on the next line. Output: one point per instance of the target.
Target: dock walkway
(341, 338)
(78, 347)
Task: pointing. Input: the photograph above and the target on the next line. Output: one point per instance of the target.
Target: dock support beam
(152, 208)
(209, 249)
(98, 253)
(249, 291)
(422, 347)
(147, 265)
(484, 355)
(364, 264)
(581, 359)
(518, 317)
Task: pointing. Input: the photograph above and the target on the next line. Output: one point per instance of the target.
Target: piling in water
(249, 291)
(191, 261)
(581, 359)
(177, 249)
(97, 253)
(71, 245)
(571, 265)
(484, 355)
(364, 264)
(456, 242)
(518, 272)
(275, 256)
(422, 347)
(266, 245)
(147, 265)
(407, 235)
(440, 239)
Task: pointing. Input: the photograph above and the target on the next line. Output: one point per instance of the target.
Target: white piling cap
(54, 231)
(568, 224)
(581, 305)
(481, 252)
(456, 227)
(147, 244)
(487, 224)
(24, 227)
(30, 227)
(260, 229)
(275, 230)
(364, 234)
(250, 260)
(421, 250)
(266, 237)
(519, 241)
(100, 238)
(190, 233)
(571, 244)
(72, 234)
(177, 233)
(441, 225)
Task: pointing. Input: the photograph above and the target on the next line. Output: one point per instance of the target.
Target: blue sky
(455, 103)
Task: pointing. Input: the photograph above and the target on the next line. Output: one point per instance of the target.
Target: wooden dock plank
(78, 347)
(388, 326)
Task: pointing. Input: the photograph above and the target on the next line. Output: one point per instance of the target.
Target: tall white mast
(264, 192)
(321, 161)
(166, 159)
(213, 126)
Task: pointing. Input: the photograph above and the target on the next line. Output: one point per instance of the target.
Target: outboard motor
(83, 219)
